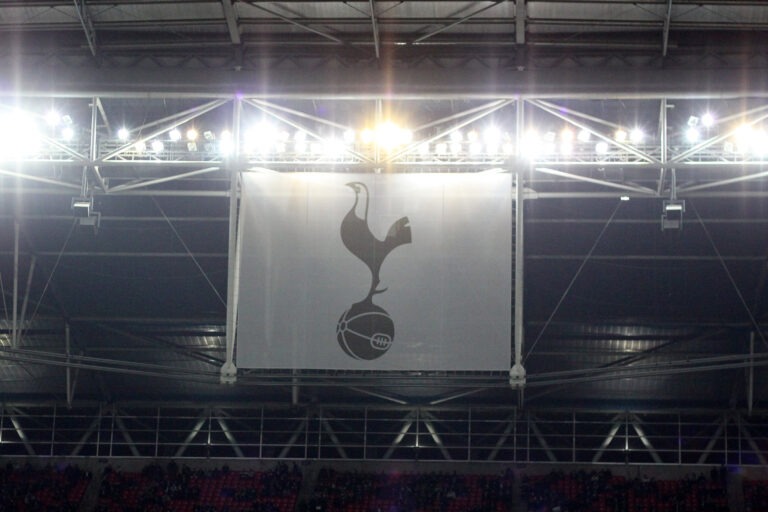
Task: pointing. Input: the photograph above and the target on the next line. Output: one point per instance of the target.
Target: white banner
(375, 271)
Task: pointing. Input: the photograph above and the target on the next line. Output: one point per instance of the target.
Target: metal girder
(452, 24)
(400, 435)
(294, 437)
(20, 432)
(230, 437)
(196, 428)
(636, 424)
(521, 14)
(721, 424)
(511, 425)
(375, 28)
(231, 18)
(126, 434)
(334, 438)
(87, 24)
(542, 440)
(631, 188)
(90, 430)
(665, 33)
(296, 23)
(436, 438)
(609, 438)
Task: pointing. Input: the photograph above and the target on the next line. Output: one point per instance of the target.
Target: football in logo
(365, 331)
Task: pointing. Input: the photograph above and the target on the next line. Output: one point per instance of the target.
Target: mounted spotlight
(693, 121)
(81, 206)
(672, 214)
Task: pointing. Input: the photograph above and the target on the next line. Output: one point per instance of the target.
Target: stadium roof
(606, 288)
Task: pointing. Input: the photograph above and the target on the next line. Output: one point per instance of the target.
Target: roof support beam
(296, 23)
(87, 23)
(451, 25)
(521, 13)
(375, 27)
(665, 35)
(231, 16)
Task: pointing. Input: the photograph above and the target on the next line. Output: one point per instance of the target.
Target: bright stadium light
(472, 136)
(601, 148)
(492, 136)
(620, 135)
(123, 133)
(315, 148)
(566, 148)
(19, 136)
(508, 148)
(475, 148)
(300, 146)
(566, 135)
(366, 136)
(300, 136)
(349, 136)
(457, 136)
(192, 134)
(140, 147)
(636, 136)
(744, 136)
(708, 120)
(68, 133)
(284, 136)
(584, 136)
(226, 146)
(52, 118)
(532, 145)
(226, 135)
(388, 135)
(333, 148)
(174, 135)
(455, 148)
(406, 136)
(157, 146)
(692, 134)
(441, 148)
(423, 149)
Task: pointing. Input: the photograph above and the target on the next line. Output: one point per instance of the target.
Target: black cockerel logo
(365, 330)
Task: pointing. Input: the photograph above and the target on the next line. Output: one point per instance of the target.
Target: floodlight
(349, 136)
(423, 149)
(226, 146)
(728, 147)
(67, 120)
(284, 136)
(601, 148)
(492, 148)
(174, 135)
(620, 135)
(441, 148)
(760, 143)
(472, 136)
(67, 133)
(300, 146)
(208, 135)
(566, 148)
(475, 148)
(566, 135)
(491, 136)
(406, 136)
(624, 198)
(457, 136)
(191, 146)
(315, 148)
(455, 148)
(81, 206)
(550, 136)
(549, 148)
(191, 134)
(300, 136)
(744, 137)
(707, 120)
(123, 133)
(636, 136)
(281, 147)
(692, 134)
(388, 135)
(52, 118)
(584, 135)
(532, 145)
(157, 146)
(693, 121)
(333, 148)
(140, 146)
(226, 135)
(508, 148)
(366, 136)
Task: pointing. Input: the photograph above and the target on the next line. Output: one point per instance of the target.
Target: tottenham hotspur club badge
(365, 330)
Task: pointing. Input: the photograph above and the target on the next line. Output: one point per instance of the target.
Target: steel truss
(507, 435)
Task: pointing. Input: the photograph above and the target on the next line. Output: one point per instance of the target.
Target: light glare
(174, 135)
(123, 133)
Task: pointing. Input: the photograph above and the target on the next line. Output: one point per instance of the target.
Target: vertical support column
(68, 369)
(751, 374)
(517, 372)
(664, 143)
(14, 331)
(228, 369)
